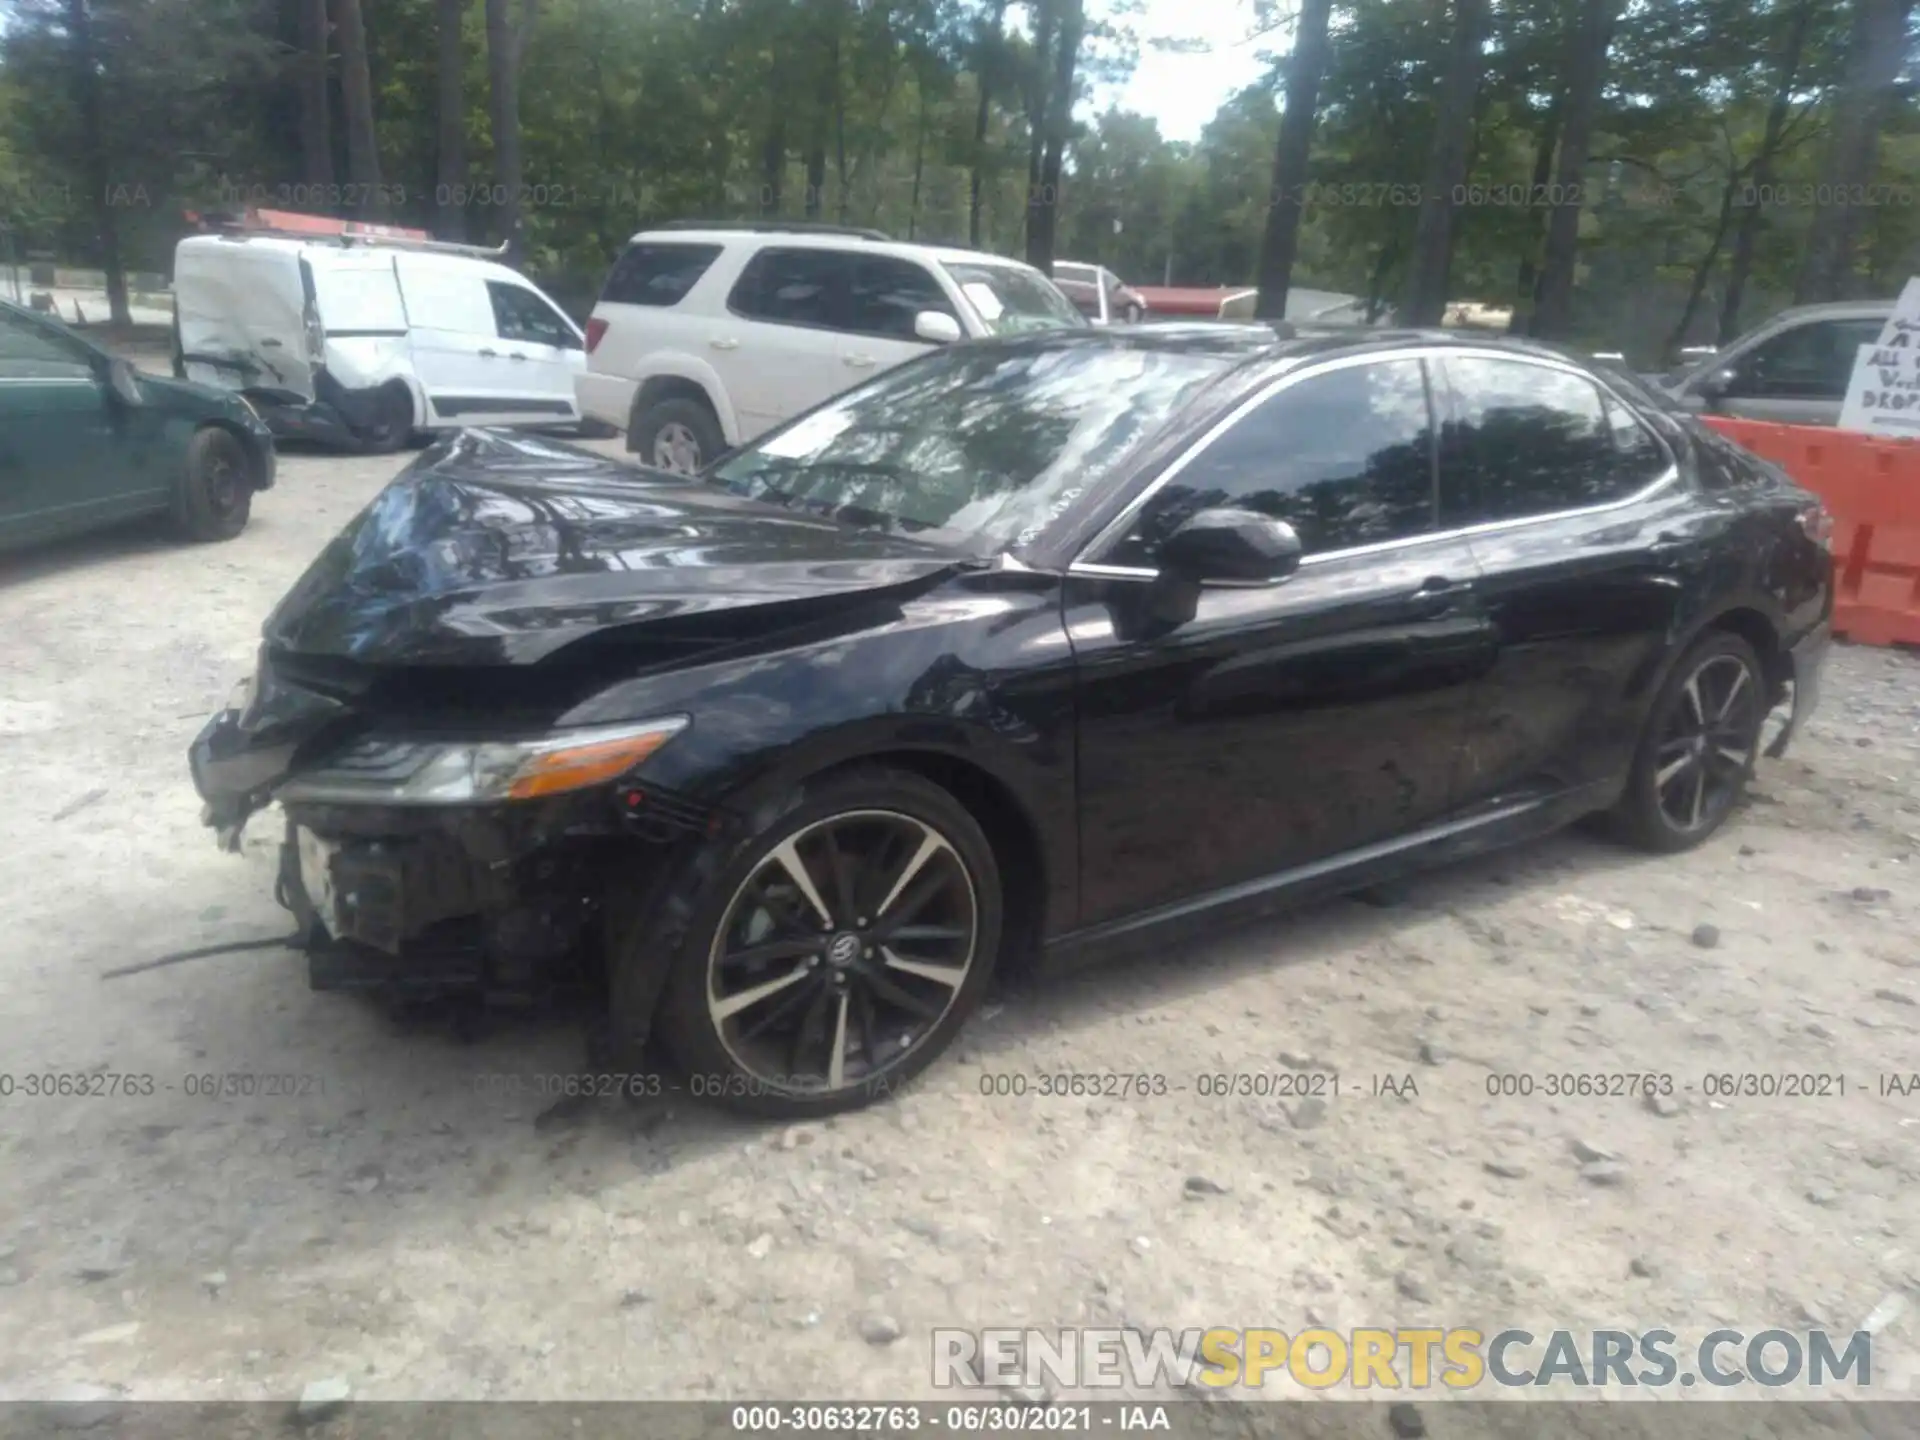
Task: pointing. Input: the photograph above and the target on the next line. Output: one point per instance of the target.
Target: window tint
(1346, 458)
(519, 314)
(885, 294)
(31, 351)
(655, 274)
(1526, 439)
(1808, 362)
(794, 287)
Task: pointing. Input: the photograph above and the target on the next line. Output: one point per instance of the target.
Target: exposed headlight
(434, 772)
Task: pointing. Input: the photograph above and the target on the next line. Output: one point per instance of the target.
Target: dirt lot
(410, 1228)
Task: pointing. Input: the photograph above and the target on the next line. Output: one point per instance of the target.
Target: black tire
(1698, 748)
(673, 424)
(214, 496)
(684, 938)
(391, 424)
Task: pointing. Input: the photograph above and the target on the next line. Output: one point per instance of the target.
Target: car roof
(1831, 310)
(1258, 341)
(823, 240)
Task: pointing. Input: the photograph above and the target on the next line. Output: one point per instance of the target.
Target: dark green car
(86, 440)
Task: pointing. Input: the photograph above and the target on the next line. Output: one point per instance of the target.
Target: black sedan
(1030, 647)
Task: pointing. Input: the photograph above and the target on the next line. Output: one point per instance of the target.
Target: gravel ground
(406, 1228)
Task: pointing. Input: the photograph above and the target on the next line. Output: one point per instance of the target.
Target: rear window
(652, 273)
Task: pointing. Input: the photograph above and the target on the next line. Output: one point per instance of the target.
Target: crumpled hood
(502, 549)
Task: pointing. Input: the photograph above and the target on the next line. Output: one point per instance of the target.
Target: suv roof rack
(251, 223)
(775, 227)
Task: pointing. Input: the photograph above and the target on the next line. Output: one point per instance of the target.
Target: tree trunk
(450, 215)
(1526, 289)
(1278, 245)
(505, 38)
(1876, 48)
(1592, 33)
(1039, 94)
(1704, 269)
(1426, 292)
(773, 165)
(1748, 233)
(1377, 281)
(316, 134)
(356, 93)
(95, 161)
(919, 163)
(1059, 122)
(985, 64)
(826, 94)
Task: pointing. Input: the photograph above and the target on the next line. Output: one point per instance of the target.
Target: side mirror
(936, 328)
(1233, 547)
(1718, 384)
(124, 381)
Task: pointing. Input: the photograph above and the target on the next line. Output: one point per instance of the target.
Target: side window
(1525, 439)
(1345, 457)
(35, 352)
(1808, 362)
(655, 274)
(885, 294)
(519, 314)
(794, 287)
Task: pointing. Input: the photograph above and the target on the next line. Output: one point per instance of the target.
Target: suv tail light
(595, 329)
(1818, 524)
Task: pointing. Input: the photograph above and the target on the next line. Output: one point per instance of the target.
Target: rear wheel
(826, 960)
(391, 423)
(678, 435)
(215, 495)
(1698, 749)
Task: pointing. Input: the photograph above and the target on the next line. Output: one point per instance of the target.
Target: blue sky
(1183, 91)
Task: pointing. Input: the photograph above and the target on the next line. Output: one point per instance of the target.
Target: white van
(368, 341)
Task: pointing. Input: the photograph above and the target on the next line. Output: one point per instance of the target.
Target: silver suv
(1793, 369)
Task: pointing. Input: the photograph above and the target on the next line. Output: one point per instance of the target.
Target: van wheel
(681, 436)
(215, 495)
(392, 422)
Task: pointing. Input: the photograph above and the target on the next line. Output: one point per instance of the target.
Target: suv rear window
(651, 273)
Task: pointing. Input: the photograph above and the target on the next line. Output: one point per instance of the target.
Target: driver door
(1798, 376)
(1244, 731)
(66, 454)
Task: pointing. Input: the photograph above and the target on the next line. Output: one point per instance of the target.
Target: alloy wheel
(222, 484)
(676, 448)
(842, 951)
(1707, 745)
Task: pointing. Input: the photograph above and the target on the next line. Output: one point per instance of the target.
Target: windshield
(978, 447)
(1012, 301)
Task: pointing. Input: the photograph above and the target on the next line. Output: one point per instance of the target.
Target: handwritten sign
(1883, 393)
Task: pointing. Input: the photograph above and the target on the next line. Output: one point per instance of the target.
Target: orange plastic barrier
(1872, 489)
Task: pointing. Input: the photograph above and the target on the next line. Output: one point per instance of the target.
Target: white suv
(705, 336)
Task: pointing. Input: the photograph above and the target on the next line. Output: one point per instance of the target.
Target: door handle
(489, 354)
(860, 362)
(516, 355)
(271, 344)
(1437, 593)
(724, 344)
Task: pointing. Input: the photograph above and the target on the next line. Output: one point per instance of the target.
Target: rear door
(1798, 376)
(783, 353)
(1278, 725)
(543, 352)
(1582, 526)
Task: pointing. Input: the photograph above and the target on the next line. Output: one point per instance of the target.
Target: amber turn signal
(580, 766)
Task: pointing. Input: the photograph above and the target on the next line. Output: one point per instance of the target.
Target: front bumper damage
(502, 902)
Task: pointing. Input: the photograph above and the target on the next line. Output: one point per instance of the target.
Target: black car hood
(498, 549)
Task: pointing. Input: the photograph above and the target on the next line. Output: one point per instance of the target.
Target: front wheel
(1698, 749)
(215, 494)
(824, 962)
(391, 423)
(679, 436)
